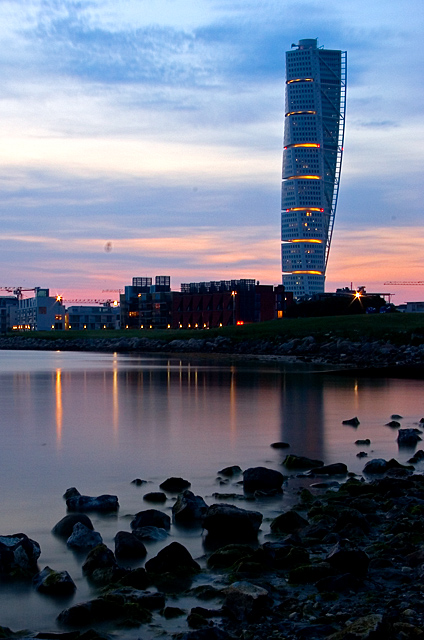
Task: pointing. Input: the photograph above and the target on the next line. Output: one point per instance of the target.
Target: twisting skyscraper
(312, 156)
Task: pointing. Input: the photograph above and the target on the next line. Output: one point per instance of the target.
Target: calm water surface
(97, 421)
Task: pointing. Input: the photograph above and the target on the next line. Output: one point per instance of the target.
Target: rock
(151, 518)
(232, 523)
(362, 454)
(154, 496)
(353, 422)
(375, 466)
(417, 457)
(99, 558)
(94, 611)
(301, 462)
(65, 527)
(280, 445)
(71, 493)
(150, 533)
(175, 485)
(262, 479)
(189, 508)
(136, 578)
(408, 437)
(246, 601)
(102, 504)
(83, 538)
(396, 416)
(393, 423)
(229, 472)
(339, 584)
(138, 482)
(173, 559)
(310, 573)
(129, 546)
(369, 627)
(54, 583)
(288, 522)
(227, 556)
(147, 599)
(207, 633)
(336, 469)
(18, 556)
(364, 442)
(172, 612)
(283, 555)
(345, 558)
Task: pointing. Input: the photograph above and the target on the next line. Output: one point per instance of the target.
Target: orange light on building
(313, 241)
(305, 209)
(318, 273)
(300, 113)
(240, 322)
(299, 80)
(307, 177)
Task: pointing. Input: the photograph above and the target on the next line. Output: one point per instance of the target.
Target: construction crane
(17, 291)
(406, 283)
(112, 290)
(106, 303)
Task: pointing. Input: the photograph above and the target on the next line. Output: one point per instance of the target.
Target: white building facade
(314, 125)
(40, 313)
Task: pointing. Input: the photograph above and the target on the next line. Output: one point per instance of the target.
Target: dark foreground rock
(226, 522)
(18, 556)
(103, 504)
(54, 583)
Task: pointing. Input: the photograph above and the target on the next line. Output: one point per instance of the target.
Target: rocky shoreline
(344, 562)
(341, 352)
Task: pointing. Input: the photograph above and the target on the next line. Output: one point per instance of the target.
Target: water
(98, 421)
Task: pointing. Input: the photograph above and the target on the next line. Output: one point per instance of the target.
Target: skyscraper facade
(314, 126)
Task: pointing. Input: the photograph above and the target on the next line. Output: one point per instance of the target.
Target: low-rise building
(40, 313)
(7, 304)
(105, 316)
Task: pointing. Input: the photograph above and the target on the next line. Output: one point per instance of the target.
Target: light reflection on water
(97, 421)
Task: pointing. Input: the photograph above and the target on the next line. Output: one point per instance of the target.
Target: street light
(233, 294)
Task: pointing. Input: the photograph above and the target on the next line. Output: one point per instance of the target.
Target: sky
(144, 138)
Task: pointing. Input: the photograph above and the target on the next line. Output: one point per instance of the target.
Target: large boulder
(151, 518)
(300, 463)
(103, 504)
(174, 559)
(336, 469)
(128, 546)
(288, 522)
(155, 534)
(99, 558)
(345, 558)
(18, 556)
(408, 437)
(188, 508)
(54, 583)
(228, 522)
(245, 601)
(227, 556)
(262, 479)
(64, 527)
(175, 485)
(82, 538)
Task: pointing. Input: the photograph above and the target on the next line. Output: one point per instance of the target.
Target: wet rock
(189, 508)
(83, 538)
(371, 627)
(196, 621)
(294, 462)
(65, 527)
(175, 485)
(336, 469)
(151, 533)
(71, 493)
(147, 599)
(363, 442)
(345, 558)
(138, 482)
(207, 633)
(339, 583)
(99, 558)
(280, 445)
(175, 559)
(227, 556)
(18, 556)
(288, 522)
(103, 504)
(262, 479)
(308, 574)
(232, 523)
(54, 583)
(349, 518)
(396, 416)
(128, 546)
(173, 612)
(283, 555)
(155, 496)
(408, 437)
(375, 466)
(151, 518)
(136, 578)
(245, 601)
(229, 472)
(393, 423)
(353, 422)
(93, 611)
(417, 457)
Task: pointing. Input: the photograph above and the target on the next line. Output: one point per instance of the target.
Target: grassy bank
(397, 327)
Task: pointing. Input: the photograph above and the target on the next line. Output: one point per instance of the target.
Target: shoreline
(376, 358)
